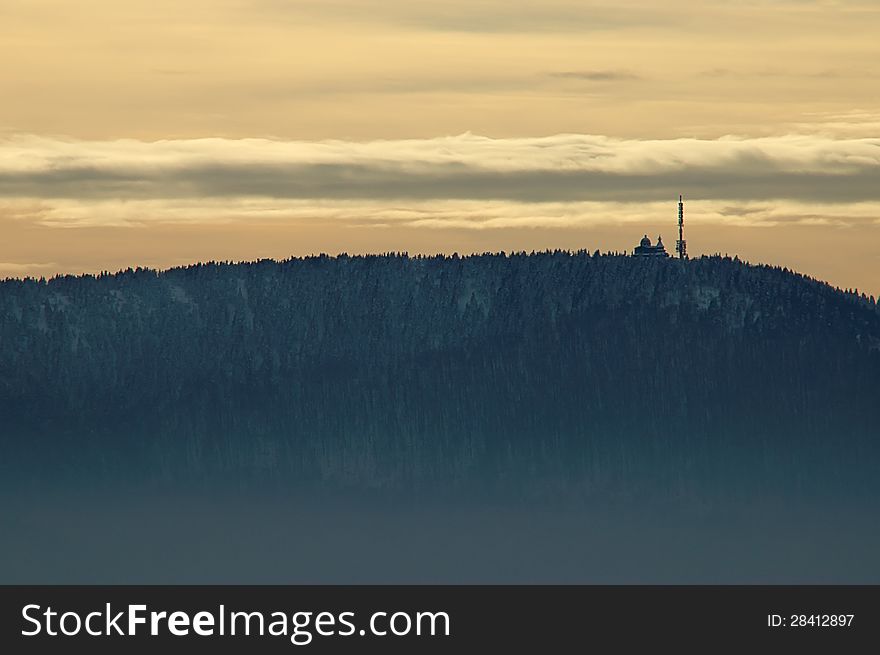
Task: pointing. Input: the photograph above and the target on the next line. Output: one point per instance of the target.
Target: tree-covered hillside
(537, 373)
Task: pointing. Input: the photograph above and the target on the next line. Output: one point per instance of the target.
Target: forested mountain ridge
(556, 370)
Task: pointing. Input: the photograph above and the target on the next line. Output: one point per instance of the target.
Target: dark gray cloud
(560, 168)
(738, 181)
(487, 16)
(596, 75)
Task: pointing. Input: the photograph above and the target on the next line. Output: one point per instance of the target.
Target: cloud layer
(795, 200)
(555, 169)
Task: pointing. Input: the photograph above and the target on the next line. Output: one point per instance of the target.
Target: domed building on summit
(646, 249)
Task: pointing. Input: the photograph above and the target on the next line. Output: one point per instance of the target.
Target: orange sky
(354, 125)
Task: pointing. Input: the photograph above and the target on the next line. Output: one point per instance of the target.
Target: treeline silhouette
(536, 374)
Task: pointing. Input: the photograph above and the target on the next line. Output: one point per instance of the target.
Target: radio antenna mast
(681, 244)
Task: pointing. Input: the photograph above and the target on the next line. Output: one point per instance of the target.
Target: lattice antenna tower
(681, 244)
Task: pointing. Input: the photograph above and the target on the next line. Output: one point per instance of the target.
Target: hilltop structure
(681, 244)
(647, 249)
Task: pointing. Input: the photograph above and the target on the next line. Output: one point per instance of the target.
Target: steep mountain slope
(542, 374)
